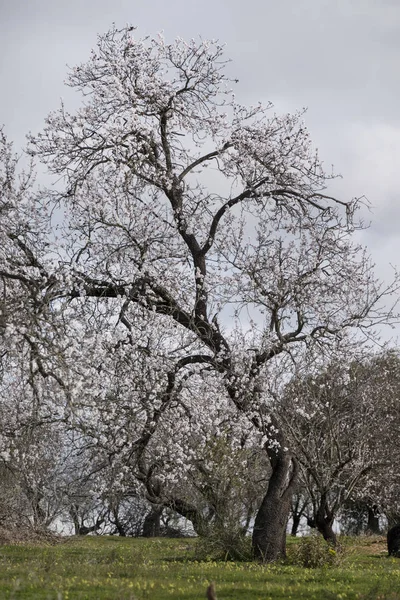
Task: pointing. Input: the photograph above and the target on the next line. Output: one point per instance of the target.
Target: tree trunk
(38, 514)
(201, 524)
(373, 520)
(84, 530)
(324, 526)
(323, 521)
(152, 523)
(269, 534)
(118, 525)
(295, 524)
(73, 511)
(299, 505)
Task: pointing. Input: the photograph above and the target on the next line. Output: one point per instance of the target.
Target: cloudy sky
(339, 58)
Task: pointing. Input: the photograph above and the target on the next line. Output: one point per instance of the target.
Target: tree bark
(295, 524)
(201, 524)
(323, 521)
(299, 505)
(118, 525)
(373, 520)
(83, 530)
(269, 534)
(325, 528)
(75, 519)
(152, 523)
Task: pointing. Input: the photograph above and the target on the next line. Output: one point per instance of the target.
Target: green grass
(107, 568)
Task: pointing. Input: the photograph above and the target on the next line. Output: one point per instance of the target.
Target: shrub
(224, 544)
(313, 551)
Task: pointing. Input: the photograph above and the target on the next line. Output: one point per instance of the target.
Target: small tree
(380, 378)
(340, 424)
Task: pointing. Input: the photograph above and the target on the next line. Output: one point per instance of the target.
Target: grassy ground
(107, 568)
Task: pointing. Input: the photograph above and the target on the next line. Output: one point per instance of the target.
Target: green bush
(224, 543)
(313, 552)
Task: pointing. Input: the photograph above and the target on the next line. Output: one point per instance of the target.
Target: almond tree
(379, 379)
(33, 445)
(340, 420)
(169, 443)
(210, 216)
(32, 388)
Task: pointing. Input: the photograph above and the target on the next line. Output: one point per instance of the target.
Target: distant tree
(380, 494)
(340, 424)
(32, 456)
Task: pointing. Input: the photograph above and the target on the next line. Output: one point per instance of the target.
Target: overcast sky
(339, 58)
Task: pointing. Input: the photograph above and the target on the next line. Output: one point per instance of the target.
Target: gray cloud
(341, 58)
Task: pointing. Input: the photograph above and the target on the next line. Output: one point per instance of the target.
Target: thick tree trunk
(269, 534)
(201, 525)
(152, 523)
(325, 527)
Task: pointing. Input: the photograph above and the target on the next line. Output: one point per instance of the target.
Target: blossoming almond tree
(378, 380)
(340, 420)
(210, 216)
(164, 440)
(33, 387)
(329, 421)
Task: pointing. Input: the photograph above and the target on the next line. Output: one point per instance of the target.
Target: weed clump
(224, 544)
(22, 535)
(312, 552)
